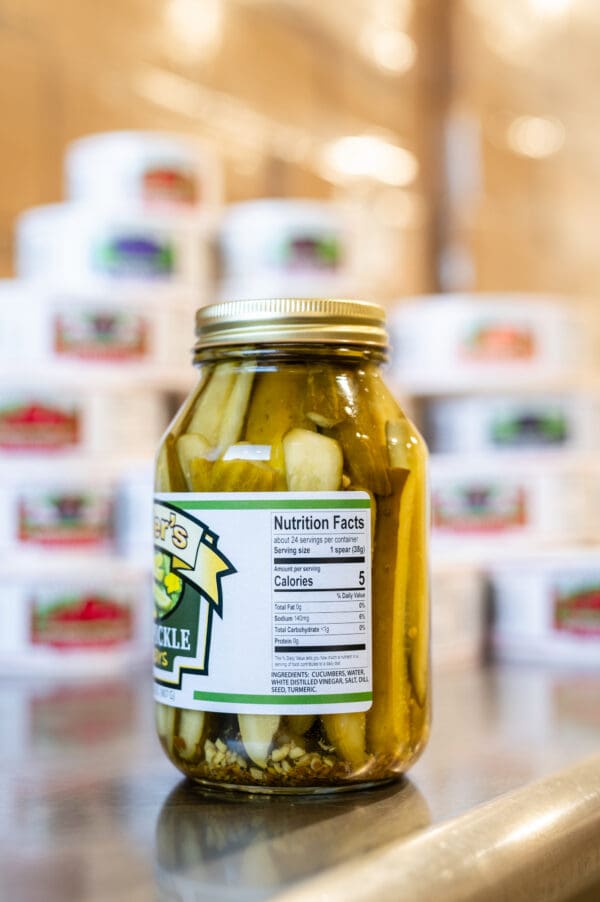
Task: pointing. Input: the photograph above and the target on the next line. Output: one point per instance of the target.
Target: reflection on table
(90, 809)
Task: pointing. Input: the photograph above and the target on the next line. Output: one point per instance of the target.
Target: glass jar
(291, 568)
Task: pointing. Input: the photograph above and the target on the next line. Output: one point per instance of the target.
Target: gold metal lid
(291, 321)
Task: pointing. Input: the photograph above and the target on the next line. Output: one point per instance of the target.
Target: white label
(263, 602)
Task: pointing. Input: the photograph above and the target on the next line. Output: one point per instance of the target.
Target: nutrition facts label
(263, 602)
(321, 600)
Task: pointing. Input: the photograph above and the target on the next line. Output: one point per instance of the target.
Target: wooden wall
(279, 83)
(528, 222)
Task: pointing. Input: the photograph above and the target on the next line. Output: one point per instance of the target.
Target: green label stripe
(269, 505)
(283, 699)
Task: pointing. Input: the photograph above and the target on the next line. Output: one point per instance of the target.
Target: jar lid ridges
(291, 320)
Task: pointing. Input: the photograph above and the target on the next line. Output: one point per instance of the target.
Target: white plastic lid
(148, 168)
(482, 299)
(273, 212)
(546, 560)
(45, 218)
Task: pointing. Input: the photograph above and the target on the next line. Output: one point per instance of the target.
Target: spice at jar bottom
(291, 568)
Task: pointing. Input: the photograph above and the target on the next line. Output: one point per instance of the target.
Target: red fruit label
(37, 426)
(164, 184)
(80, 621)
(578, 612)
(496, 342)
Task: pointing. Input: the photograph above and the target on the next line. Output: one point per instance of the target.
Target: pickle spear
(418, 603)
(273, 409)
(298, 724)
(324, 404)
(221, 410)
(388, 722)
(234, 414)
(314, 463)
(257, 731)
(208, 412)
(405, 449)
(347, 733)
(302, 722)
(162, 478)
(192, 448)
(165, 723)
(200, 478)
(169, 475)
(358, 433)
(276, 406)
(190, 730)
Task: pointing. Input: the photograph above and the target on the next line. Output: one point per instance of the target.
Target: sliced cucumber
(242, 476)
(313, 462)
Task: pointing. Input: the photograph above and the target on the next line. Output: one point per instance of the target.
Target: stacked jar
(278, 247)
(507, 401)
(95, 338)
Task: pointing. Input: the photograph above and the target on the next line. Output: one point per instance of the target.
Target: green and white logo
(188, 570)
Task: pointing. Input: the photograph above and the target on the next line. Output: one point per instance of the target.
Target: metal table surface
(90, 809)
